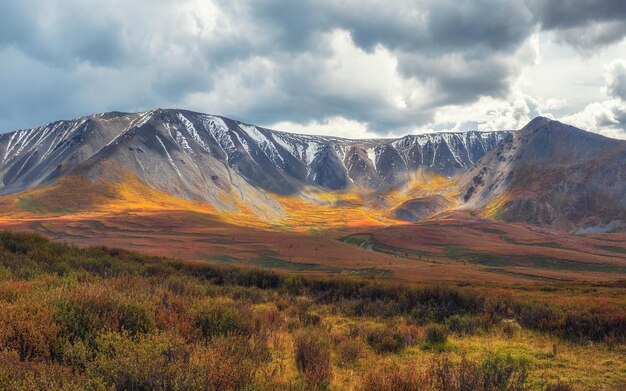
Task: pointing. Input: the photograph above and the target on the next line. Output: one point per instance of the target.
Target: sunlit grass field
(106, 319)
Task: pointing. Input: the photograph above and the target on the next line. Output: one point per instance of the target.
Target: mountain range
(547, 173)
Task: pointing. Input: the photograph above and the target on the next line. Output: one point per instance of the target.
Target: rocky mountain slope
(203, 157)
(549, 173)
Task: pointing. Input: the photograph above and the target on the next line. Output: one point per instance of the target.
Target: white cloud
(616, 79)
(607, 118)
(336, 126)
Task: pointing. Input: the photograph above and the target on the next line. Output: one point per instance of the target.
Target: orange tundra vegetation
(121, 191)
(97, 318)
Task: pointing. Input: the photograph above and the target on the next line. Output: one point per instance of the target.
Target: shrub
(142, 363)
(230, 363)
(184, 285)
(135, 318)
(444, 375)
(410, 334)
(165, 362)
(348, 351)
(438, 302)
(435, 334)
(92, 308)
(309, 319)
(503, 373)
(250, 295)
(28, 329)
(10, 291)
(392, 379)
(463, 324)
(5, 273)
(16, 375)
(313, 359)
(494, 309)
(385, 340)
(510, 328)
(540, 317)
(268, 321)
(596, 324)
(221, 319)
(77, 355)
(78, 322)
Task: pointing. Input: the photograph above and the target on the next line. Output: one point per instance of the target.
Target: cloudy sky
(348, 68)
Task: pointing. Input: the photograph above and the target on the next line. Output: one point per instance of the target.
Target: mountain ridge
(304, 157)
(546, 173)
(550, 173)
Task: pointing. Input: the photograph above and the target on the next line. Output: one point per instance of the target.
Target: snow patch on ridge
(312, 148)
(217, 128)
(168, 156)
(263, 142)
(193, 132)
(295, 149)
(182, 141)
(371, 155)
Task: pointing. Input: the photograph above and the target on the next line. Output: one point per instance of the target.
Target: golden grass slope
(312, 210)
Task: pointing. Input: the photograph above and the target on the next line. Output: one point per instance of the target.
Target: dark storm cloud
(495, 25)
(432, 28)
(561, 14)
(62, 58)
(583, 24)
(590, 37)
(429, 26)
(464, 81)
(61, 37)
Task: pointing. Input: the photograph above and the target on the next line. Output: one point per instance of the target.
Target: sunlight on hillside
(312, 209)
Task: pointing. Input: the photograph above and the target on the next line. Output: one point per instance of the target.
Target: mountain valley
(545, 202)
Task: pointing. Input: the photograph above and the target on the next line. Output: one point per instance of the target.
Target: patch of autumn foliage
(105, 319)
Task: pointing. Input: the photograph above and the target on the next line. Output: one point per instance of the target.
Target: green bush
(463, 324)
(503, 373)
(135, 318)
(221, 319)
(78, 322)
(435, 334)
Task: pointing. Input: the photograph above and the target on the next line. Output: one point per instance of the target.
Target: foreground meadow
(105, 319)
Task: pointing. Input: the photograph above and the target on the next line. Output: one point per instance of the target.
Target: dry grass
(96, 318)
